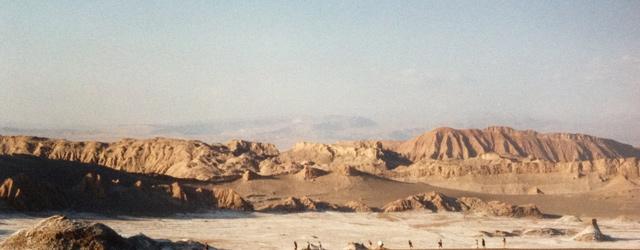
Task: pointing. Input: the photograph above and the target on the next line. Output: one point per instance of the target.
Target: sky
(575, 64)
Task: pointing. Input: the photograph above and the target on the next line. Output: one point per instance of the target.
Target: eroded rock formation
(59, 232)
(172, 157)
(592, 233)
(437, 202)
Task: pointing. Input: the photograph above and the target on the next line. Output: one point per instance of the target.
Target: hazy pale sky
(68, 63)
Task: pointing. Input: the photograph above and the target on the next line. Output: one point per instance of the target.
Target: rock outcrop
(226, 198)
(592, 233)
(358, 207)
(432, 201)
(59, 232)
(499, 208)
(437, 202)
(302, 204)
(310, 173)
(369, 156)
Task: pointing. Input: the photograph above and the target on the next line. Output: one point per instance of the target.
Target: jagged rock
(356, 206)
(59, 232)
(228, 199)
(592, 233)
(498, 208)
(302, 204)
(310, 173)
(432, 201)
(343, 153)
(290, 204)
(437, 202)
(257, 149)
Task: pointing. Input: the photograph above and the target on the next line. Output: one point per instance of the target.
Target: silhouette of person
(504, 242)
(440, 243)
(410, 245)
(483, 244)
(320, 245)
(295, 245)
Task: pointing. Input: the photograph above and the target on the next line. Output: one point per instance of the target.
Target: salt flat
(229, 230)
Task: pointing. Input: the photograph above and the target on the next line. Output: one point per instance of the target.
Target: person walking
(483, 244)
(440, 243)
(295, 245)
(410, 245)
(504, 242)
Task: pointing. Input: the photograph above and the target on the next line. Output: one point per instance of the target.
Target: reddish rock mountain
(448, 143)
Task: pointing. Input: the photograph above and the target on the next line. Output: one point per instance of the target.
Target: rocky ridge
(437, 202)
(443, 152)
(172, 157)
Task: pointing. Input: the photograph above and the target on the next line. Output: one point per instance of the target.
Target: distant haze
(362, 68)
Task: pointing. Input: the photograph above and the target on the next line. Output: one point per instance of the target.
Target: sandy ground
(612, 199)
(227, 230)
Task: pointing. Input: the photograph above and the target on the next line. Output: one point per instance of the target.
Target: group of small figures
(380, 244)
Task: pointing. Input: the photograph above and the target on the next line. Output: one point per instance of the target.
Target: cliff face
(448, 143)
(629, 167)
(172, 157)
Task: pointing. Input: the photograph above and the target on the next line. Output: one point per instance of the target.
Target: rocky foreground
(59, 232)
(332, 230)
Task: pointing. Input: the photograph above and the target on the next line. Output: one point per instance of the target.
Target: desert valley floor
(231, 230)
